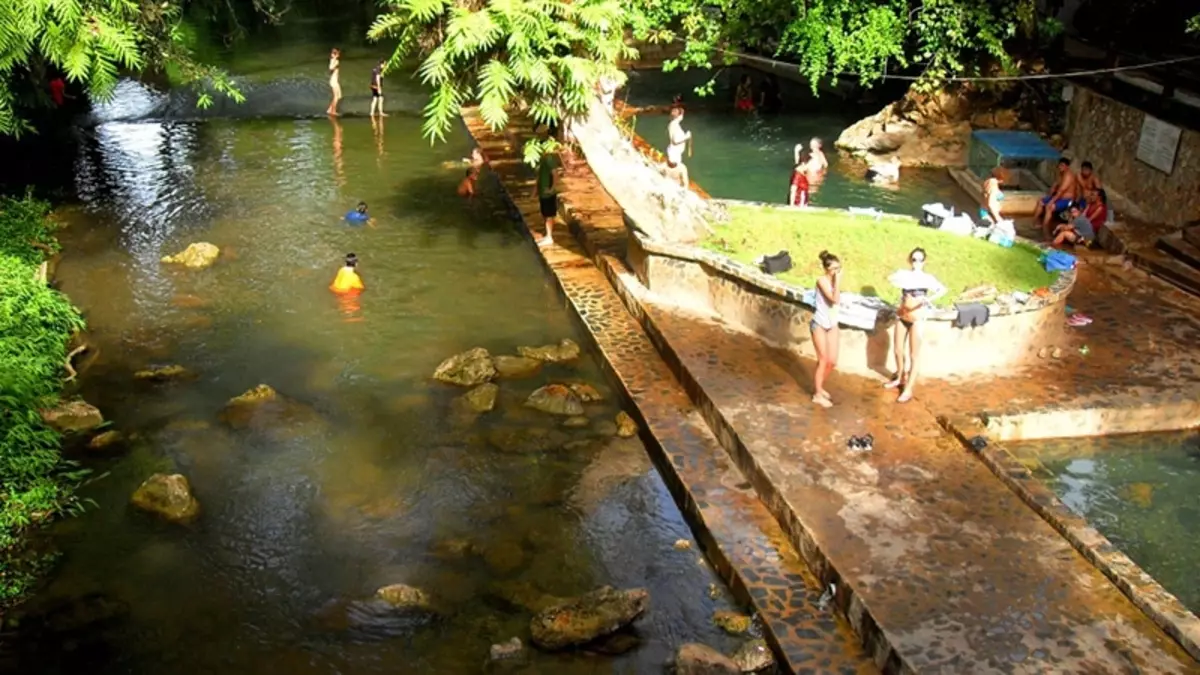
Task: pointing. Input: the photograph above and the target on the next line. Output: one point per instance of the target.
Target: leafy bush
(36, 322)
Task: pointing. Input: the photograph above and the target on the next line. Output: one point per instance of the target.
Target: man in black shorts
(549, 175)
(377, 90)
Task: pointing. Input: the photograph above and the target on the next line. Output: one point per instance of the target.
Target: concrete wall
(1106, 132)
(661, 208)
(699, 279)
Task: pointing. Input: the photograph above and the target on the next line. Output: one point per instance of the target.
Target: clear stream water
(749, 156)
(1140, 491)
(301, 523)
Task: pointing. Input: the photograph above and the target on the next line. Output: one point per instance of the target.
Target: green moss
(871, 250)
(36, 322)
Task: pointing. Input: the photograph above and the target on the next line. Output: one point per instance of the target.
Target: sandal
(893, 384)
(821, 401)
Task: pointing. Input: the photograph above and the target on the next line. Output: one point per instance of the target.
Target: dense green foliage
(92, 42)
(36, 323)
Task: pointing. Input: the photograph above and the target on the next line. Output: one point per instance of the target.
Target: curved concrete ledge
(776, 312)
(1142, 589)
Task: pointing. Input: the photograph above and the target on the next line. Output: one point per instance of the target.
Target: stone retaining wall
(774, 311)
(1106, 132)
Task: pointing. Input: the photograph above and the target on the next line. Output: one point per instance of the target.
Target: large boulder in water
(516, 367)
(565, 350)
(403, 596)
(556, 399)
(583, 619)
(263, 407)
(167, 496)
(468, 369)
(195, 256)
(72, 416)
(697, 659)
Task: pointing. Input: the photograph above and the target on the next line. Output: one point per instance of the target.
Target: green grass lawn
(871, 250)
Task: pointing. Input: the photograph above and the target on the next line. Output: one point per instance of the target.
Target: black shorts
(549, 206)
(375, 93)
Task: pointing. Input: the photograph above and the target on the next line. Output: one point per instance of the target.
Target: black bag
(775, 264)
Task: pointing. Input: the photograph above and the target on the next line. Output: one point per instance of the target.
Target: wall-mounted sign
(1158, 144)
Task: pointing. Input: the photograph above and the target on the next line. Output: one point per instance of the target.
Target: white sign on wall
(1158, 144)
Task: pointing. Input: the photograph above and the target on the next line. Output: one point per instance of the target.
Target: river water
(387, 483)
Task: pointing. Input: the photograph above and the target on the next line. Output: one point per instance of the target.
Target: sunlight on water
(375, 477)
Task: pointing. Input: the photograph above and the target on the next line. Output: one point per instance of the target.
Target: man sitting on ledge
(1063, 193)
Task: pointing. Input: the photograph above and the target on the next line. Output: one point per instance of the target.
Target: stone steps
(1181, 248)
(1168, 268)
(739, 535)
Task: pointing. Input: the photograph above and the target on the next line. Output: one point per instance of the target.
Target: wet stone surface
(955, 571)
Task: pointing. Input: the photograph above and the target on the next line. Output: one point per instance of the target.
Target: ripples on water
(301, 523)
(1142, 491)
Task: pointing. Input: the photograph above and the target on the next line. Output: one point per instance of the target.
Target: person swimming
(359, 215)
(347, 279)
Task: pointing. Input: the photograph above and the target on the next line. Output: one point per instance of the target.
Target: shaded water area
(382, 479)
(750, 156)
(1142, 491)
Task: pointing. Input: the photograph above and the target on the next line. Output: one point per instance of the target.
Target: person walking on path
(377, 89)
(677, 141)
(918, 291)
(549, 176)
(824, 325)
(335, 84)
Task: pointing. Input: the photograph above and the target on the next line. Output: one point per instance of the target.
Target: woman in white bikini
(824, 325)
(918, 291)
(335, 62)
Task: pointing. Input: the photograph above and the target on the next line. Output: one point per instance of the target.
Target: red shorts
(744, 104)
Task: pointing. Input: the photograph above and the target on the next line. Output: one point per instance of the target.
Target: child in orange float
(347, 280)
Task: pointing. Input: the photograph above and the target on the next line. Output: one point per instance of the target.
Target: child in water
(359, 215)
(347, 279)
(474, 165)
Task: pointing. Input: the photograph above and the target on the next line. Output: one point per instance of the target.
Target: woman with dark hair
(743, 98)
(918, 291)
(798, 188)
(824, 325)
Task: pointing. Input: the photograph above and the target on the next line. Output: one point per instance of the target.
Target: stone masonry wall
(1106, 132)
(661, 208)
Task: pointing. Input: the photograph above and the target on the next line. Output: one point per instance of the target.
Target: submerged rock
(523, 595)
(516, 367)
(753, 656)
(697, 659)
(195, 256)
(583, 619)
(626, 427)
(586, 392)
(468, 369)
(481, 399)
(506, 650)
(167, 496)
(504, 557)
(264, 407)
(402, 596)
(163, 374)
(577, 422)
(73, 416)
(555, 399)
(734, 623)
(615, 644)
(566, 350)
(105, 439)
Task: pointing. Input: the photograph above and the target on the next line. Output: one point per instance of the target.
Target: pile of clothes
(943, 217)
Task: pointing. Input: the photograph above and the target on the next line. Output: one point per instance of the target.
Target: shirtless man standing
(817, 161)
(1064, 192)
(678, 140)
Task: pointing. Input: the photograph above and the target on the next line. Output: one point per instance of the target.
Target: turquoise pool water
(1141, 491)
(749, 156)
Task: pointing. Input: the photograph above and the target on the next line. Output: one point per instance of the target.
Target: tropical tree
(92, 42)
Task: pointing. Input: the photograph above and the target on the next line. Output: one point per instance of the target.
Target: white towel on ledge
(854, 310)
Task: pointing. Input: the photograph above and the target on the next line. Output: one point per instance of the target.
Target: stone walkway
(939, 567)
(739, 534)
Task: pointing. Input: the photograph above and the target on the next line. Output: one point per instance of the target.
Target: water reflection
(375, 474)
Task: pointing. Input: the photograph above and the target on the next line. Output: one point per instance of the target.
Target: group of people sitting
(1071, 214)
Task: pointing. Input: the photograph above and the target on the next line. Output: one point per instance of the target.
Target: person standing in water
(377, 89)
(743, 98)
(677, 141)
(347, 279)
(918, 291)
(798, 189)
(474, 165)
(817, 161)
(335, 84)
(824, 325)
